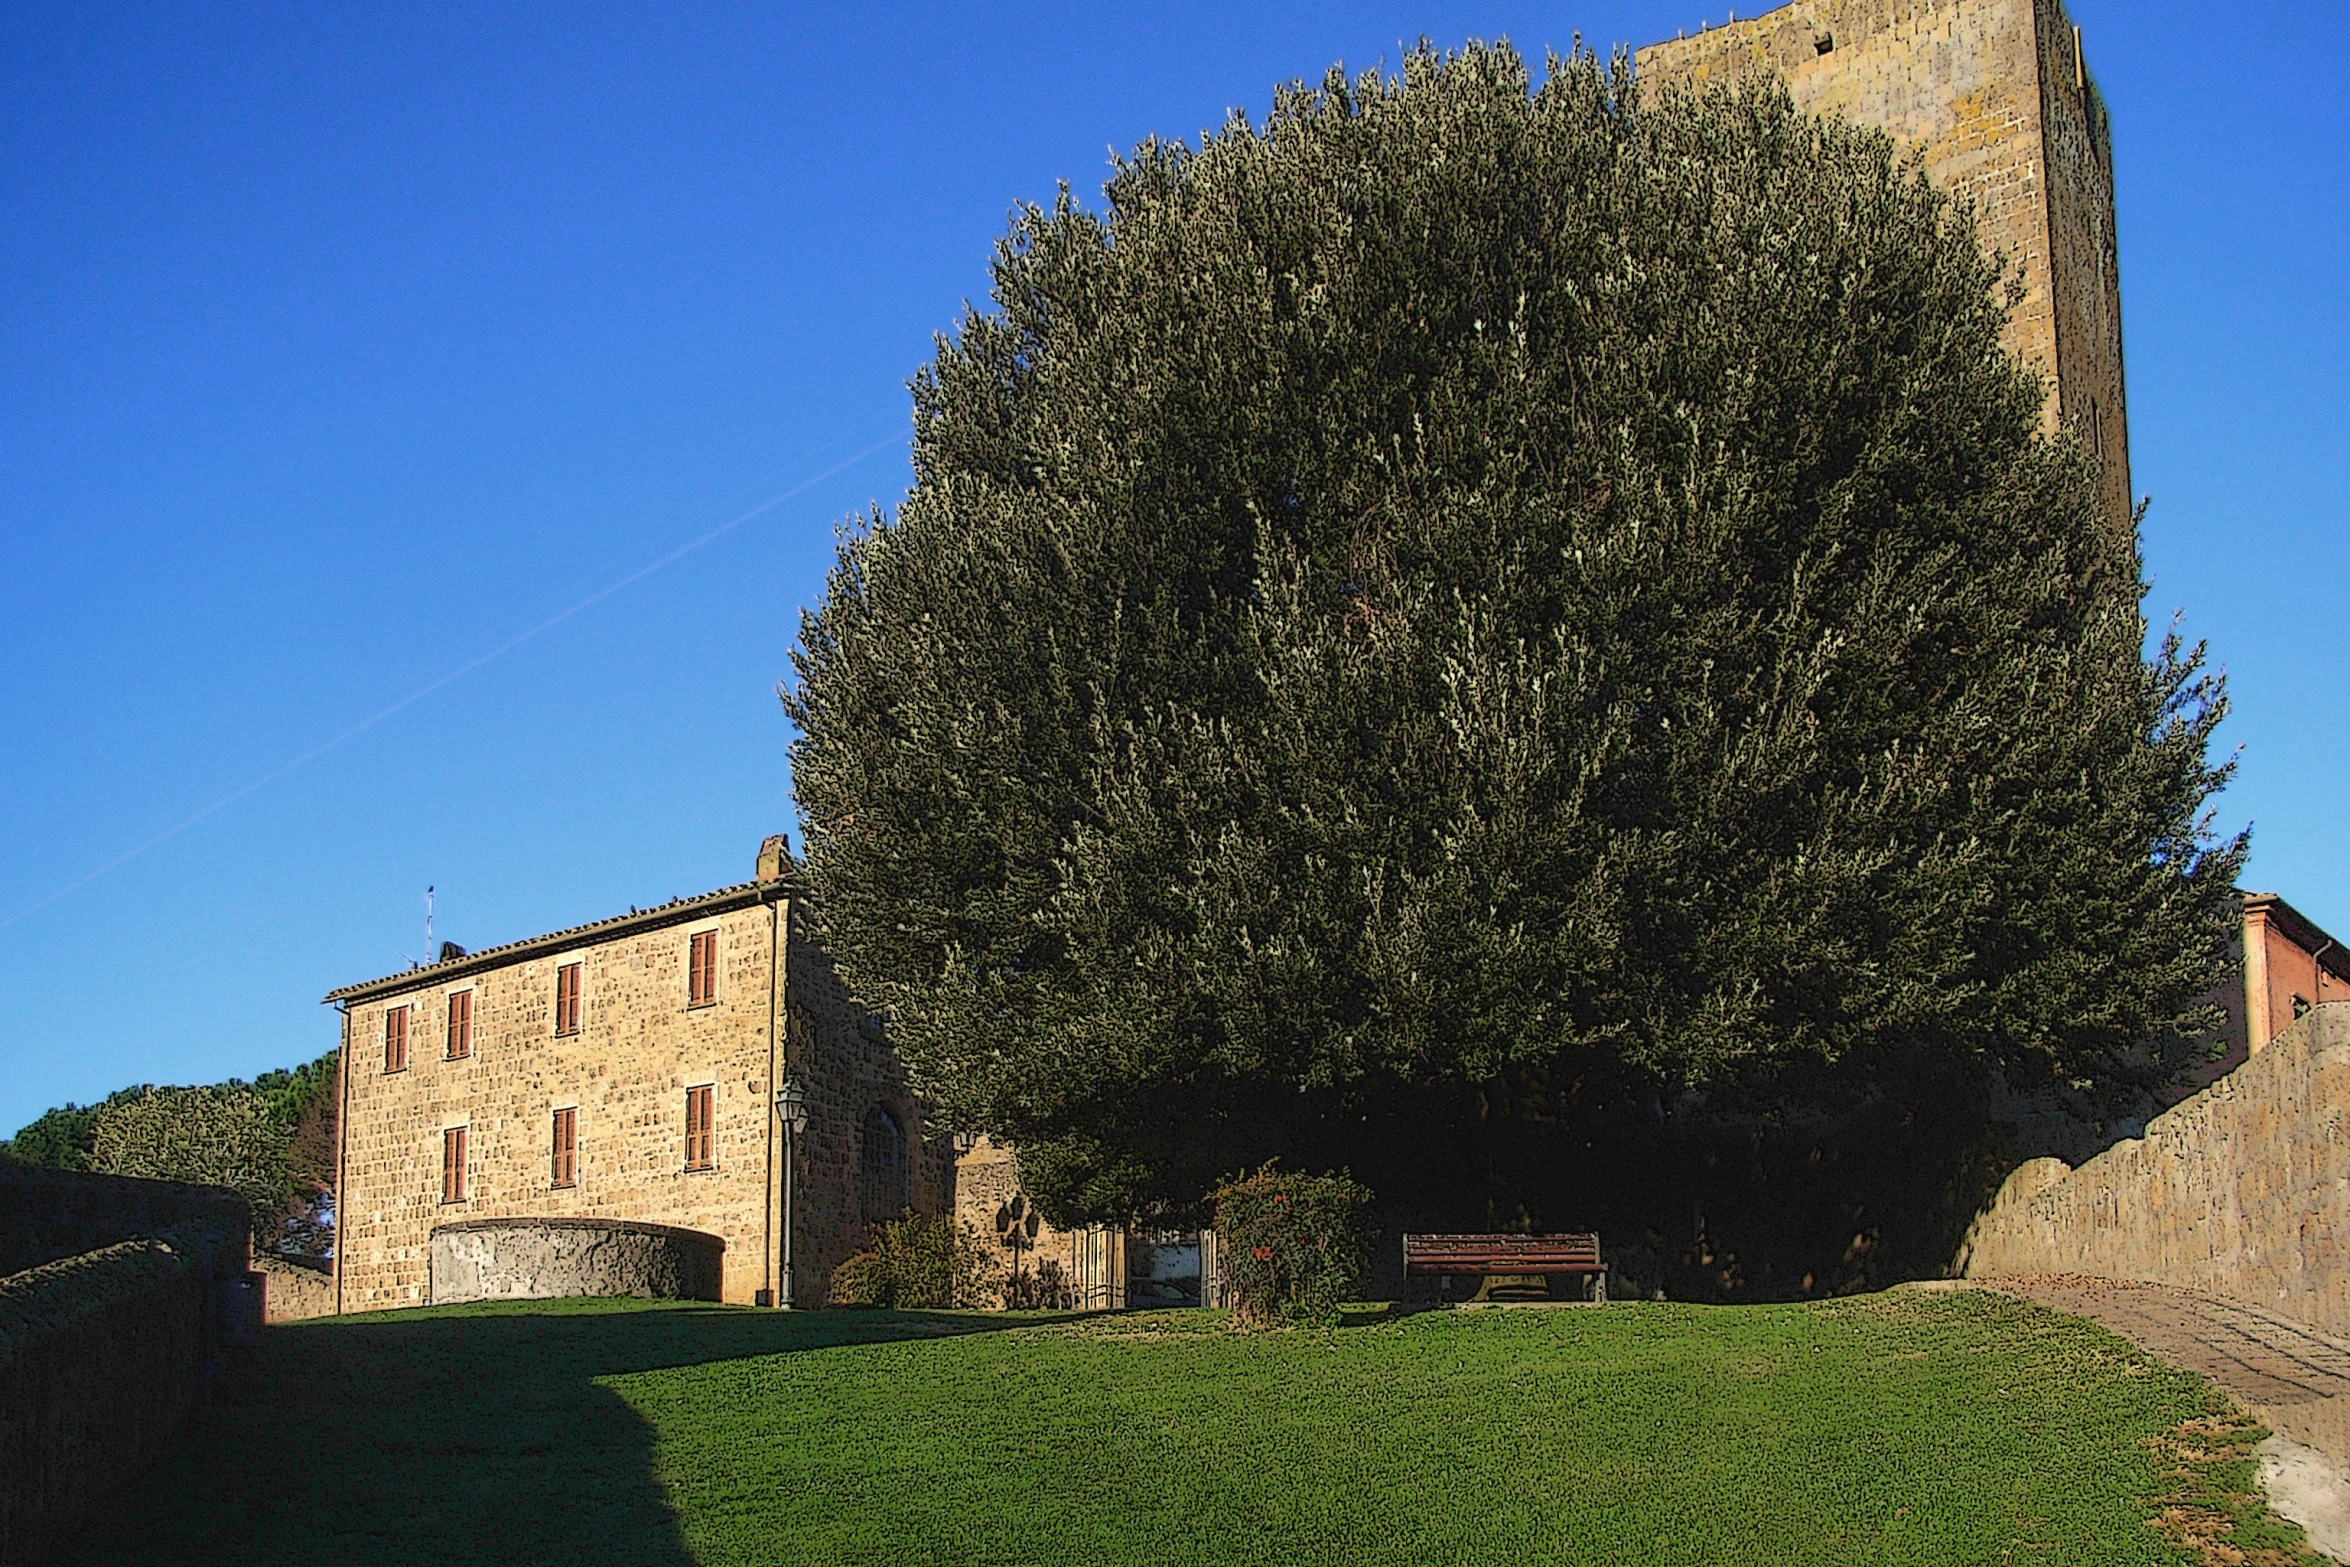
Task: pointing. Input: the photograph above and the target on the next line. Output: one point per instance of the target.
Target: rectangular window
(567, 999)
(702, 970)
(699, 1144)
(453, 1164)
(566, 1157)
(460, 1024)
(396, 1040)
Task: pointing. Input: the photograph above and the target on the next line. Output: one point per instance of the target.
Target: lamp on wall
(791, 1108)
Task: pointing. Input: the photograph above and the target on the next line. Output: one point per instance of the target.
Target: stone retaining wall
(102, 1358)
(2243, 1190)
(541, 1259)
(47, 1214)
(297, 1291)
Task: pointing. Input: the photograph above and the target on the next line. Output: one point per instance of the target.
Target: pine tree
(1463, 581)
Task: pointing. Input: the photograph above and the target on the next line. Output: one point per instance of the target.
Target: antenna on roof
(428, 924)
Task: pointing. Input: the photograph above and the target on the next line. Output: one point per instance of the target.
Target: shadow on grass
(471, 1434)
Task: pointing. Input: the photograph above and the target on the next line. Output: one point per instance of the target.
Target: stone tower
(1999, 99)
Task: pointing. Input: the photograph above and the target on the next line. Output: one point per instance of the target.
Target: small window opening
(882, 1164)
(1823, 43)
(567, 999)
(700, 1144)
(453, 1164)
(701, 988)
(565, 1171)
(396, 1040)
(460, 1025)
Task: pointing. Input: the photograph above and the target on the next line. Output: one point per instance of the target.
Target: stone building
(626, 1070)
(1997, 97)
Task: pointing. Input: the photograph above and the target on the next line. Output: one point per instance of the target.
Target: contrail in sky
(467, 668)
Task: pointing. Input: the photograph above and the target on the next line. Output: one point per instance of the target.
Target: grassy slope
(1905, 1428)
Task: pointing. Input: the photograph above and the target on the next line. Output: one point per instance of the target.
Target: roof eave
(595, 932)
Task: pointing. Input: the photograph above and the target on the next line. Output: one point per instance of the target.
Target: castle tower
(1998, 97)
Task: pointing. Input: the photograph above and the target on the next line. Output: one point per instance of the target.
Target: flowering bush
(1294, 1246)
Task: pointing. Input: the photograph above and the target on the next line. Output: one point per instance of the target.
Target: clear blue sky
(339, 346)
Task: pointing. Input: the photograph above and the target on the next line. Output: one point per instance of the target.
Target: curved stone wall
(540, 1259)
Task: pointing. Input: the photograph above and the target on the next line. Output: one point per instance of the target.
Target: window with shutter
(567, 999)
(566, 1159)
(453, 1164)
(702, 970)
(881, 1164)
(396, 1040)
(700, 1144)
(460, 1024)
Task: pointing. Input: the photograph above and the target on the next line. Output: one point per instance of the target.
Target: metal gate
(1101, 1269)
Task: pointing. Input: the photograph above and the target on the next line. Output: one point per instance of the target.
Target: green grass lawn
(1923, 1428)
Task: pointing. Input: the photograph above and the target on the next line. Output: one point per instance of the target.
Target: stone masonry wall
(2084, 254)
(2243, 1190)
(625, 1073)
(46, 1215)
(295, 1290)
(842, 1056)
(547, 1259)
(101, 1363)
(1991, 94)
(987, 1180)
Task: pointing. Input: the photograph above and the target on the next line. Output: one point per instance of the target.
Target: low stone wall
(2243, 1190)
(102, 1359)
(46, 1215)
(296, 1290)
(541, 1259)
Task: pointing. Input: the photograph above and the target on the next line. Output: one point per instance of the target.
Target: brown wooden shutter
(702, 986)
(396, 1039)
(699, 1144)
(566, 1147)
(567, 999)
(453, 1164)
(461, 1024)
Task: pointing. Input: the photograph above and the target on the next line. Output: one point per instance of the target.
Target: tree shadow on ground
(1795, 1186)
(472, 1434)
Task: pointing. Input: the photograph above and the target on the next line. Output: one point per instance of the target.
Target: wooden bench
(1447, 1257)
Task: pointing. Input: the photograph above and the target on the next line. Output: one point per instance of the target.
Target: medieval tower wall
(1997, 98)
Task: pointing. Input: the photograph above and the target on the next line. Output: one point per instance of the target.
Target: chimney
(774, 857)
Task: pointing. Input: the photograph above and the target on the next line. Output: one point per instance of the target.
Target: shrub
(860, 1281)
(918, 1264)
(1042, 1287)
(1293, 1246)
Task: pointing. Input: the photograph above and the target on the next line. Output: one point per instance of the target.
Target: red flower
(1261, 1253)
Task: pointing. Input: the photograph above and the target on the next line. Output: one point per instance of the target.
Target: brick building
(1997, 97)
(626, 1069)
(2286, 965)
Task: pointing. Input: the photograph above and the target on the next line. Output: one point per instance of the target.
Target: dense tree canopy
(1460, 580)
(271, 1140)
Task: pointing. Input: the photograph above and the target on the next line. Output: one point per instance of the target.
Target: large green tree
(1463, 581)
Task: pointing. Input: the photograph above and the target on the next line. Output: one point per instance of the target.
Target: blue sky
(342, 346)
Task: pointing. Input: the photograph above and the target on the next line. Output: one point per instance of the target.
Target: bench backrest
(1426, 1254)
